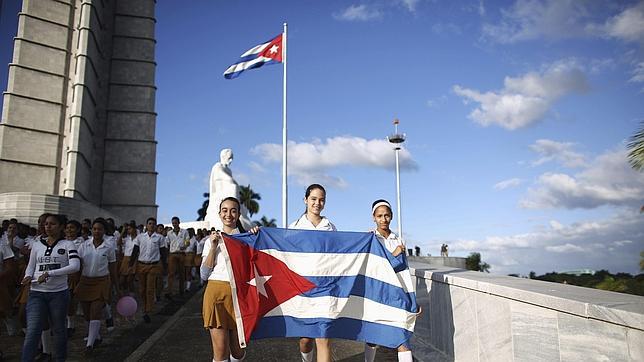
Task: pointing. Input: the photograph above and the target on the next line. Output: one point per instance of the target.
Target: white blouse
(303, 223)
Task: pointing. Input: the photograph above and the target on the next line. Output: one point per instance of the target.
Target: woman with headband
(382, 215)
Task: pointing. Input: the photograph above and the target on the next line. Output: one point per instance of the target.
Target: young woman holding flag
(382, 215)
(314, 199)
(218, 312)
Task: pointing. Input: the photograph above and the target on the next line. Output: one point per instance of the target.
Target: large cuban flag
(269, 52)
(301, 283)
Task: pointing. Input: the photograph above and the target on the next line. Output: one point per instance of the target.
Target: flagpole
(284, 156)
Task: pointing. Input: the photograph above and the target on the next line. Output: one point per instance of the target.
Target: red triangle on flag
(261, 283)
(274, 49)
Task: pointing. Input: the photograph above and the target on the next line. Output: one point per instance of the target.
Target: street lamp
(397, 139)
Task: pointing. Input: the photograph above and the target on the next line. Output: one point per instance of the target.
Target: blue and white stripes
(362, 292)
(269, 52)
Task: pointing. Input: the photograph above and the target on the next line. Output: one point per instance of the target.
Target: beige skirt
(218, 311)
(93, 289)
(125, 268)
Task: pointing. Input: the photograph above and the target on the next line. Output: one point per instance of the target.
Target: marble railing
(472, 316)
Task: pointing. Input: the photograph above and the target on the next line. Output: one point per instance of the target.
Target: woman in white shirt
(72, 233)
(98, 274)
(314, 199)
(218, 313)
(51, 259)
(127, 268)
(382, 215)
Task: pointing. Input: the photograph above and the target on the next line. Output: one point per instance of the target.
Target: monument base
(28, 206)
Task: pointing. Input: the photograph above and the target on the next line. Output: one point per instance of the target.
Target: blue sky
(516, 114)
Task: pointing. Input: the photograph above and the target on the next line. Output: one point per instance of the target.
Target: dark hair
(382, 200)
(77, 225)
(62, 220)
(88, 221)
(313, 187)
(234, 199)
(148, 220)
(161, 225)
(175, 218)
(100, 220)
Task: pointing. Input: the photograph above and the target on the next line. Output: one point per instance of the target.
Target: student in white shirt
(8, 277)
(382, 215)
(72, 233)
(51, 259)
(218, 313)
(98, 276)
(314, 199)
(178, 240)
(146, 253)
(127, 269)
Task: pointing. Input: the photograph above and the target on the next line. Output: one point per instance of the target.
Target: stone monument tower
(78, 122)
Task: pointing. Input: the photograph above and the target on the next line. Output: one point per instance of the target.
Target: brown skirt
(189, 260)
(6, 299)
(217, 310)
(73, 279)
(23, 294)
(125, 268)
(198, 260)
(93, 289)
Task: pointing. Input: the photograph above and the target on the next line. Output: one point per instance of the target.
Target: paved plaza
(176, 334)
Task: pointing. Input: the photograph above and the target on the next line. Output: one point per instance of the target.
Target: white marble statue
(222, 185)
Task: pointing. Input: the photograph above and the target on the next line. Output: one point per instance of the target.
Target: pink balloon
(126, 306)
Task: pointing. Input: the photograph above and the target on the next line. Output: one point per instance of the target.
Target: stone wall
(78, 118)
(472, 316)
(27, 207)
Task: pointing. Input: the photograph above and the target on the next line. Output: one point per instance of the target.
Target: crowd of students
(46, 273)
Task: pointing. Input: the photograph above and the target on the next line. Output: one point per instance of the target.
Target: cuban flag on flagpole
(269, 52)
(302, 283)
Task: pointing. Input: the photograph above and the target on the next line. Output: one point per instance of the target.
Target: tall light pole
(397, 140)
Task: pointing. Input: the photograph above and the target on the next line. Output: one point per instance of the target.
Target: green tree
(248, 198)
(204, 207)
(635, 148)
(612, 284)
(532, 275)
(264, 221)
(641, 260)
(473, 262)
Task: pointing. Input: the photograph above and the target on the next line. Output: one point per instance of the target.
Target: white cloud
(562, 152)
(532, 19)
(312, 161)
(594, 244)
(410, 4)
(607, 180)
(561, 19)
(638, 73)
(446, 29)
(361, 12)
(565, 248)
(256, 167)
(526, 99)
(436, 102)
(627, 25)
(513, 182)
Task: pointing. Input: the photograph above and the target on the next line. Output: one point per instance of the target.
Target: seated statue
(222, 185)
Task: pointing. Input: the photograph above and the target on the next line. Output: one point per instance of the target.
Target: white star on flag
(258, 282)
(274, 49)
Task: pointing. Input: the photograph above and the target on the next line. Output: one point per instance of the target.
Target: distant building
(579, 272)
